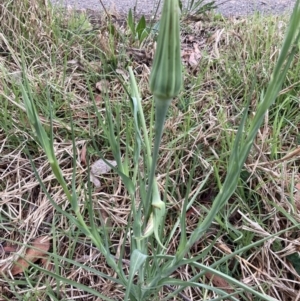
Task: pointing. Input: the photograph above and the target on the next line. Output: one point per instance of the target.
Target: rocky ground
(225, 7)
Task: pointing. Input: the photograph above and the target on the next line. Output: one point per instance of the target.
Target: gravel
(225, 7)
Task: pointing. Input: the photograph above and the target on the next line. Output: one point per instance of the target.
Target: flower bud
(166, 77)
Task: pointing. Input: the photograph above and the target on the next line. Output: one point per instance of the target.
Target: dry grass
(63, 68)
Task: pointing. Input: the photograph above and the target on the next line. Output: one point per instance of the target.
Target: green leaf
(144, 35)
(138, 137)
(141, 26)
(136, 260)
(130, 22)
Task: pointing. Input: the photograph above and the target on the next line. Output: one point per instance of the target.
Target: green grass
(65, 58)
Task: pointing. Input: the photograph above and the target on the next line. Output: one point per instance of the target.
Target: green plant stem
(161, 109)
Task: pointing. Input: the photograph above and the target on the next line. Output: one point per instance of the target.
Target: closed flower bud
(166, 77)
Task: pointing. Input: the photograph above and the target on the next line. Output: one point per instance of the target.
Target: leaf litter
(37, 250)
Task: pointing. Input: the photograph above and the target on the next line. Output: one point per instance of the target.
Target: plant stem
(161, 109)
